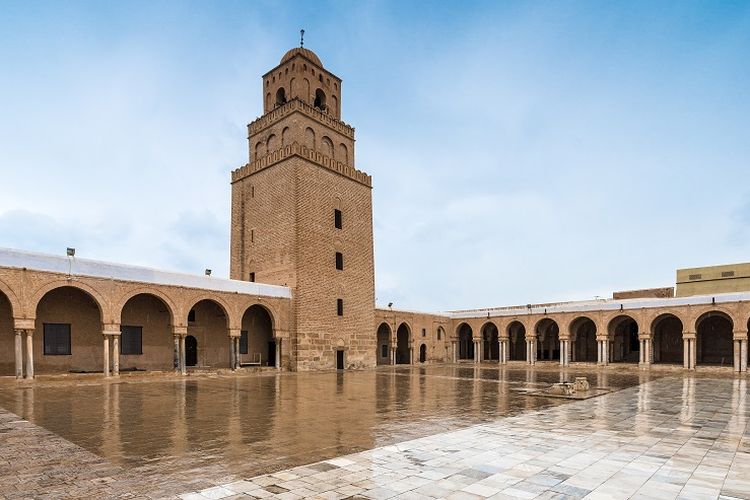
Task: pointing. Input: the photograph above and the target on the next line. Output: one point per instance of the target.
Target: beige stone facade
(301, 225)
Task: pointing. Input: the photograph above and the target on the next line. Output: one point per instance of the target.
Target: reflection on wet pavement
(238, 426)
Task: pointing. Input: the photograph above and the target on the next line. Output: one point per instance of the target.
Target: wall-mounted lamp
(71, 252)
(208, 272)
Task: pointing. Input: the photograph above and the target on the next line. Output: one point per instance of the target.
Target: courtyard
(441, 431)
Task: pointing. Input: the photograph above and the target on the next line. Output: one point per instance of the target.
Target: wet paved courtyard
(430, 431)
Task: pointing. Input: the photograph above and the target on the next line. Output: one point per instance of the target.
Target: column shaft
(278, 354)
(105, 355)
(183, 364)
(19, 353)
(115, 355)
(232, 354)
(29, 354)
(736, 361)
(177, 359)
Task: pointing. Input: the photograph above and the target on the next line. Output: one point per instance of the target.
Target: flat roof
(602, 305)
(87, 267)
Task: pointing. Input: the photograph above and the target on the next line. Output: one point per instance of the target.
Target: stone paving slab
(684, 438)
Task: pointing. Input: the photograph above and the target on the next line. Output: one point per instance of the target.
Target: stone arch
(548, 339)
(174, 311)
(306, 89)
(310, 138)
(423, 353)
(99, 299)
(68, 330)
(714, 338)
(320, 100)
(232, 320)
(383, 354)
(623, 332)
(441, 333)
(280, 96)
(268, 101)
(259, 150)
(10, 295)
(285, 137)
(465, 336)
(326, 146)
(666, 332)
(583, 346)
(490, 342)
(257, 336)
(7, 335)
(335, 104)
(516, 332)
(403, 343)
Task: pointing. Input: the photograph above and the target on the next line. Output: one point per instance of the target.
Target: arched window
(343, 154)
(285, 137)
(310, 138)
(259, 151)
(280, 96)
(272, 144)
(320, 99)
(327, 146)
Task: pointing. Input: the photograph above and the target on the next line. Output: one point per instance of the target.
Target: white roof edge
(408, 311)
(124, 272)
(604, 305)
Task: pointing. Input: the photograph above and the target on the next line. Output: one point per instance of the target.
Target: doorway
(422, 353)
(191, 351)
(272, 353)
(340, 360)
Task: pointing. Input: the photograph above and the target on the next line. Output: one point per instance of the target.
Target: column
(105, 357)
(177, 358)
(736, 362)
(393, 355)
(501, 352)
(29, 354)
(232, 354)
(693, 352)
(743, 355)
(599, 356)
(606, 351)
(19, 354)
(454, 354)
(183, 365)
(116, 355)
(278, 354)
(478, 344)
(237, 353)
(641, 351)
(572, 350)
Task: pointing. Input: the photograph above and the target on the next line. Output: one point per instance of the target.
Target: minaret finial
(301, 38)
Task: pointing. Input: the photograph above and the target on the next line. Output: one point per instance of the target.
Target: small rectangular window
(252, 191)
(439, 334)
(243, 342)
(339, 261)
(131, 340)
(695, 277)
(337, 218)
(424, 332)
(191, 316)
(340, 307)
(727, 274)
(252, 236)
(252, 277)
(56, 339)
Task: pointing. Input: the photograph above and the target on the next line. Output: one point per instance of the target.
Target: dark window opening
(340, 307)
(384, 351)
(56, 339)
(243, 342)
(320, 99)
(131, 340)
(439, 333)
(191, 316)
(280, 96)
(424, 332)
(339, 360)
(252, 277)
(339, 261)
(337, 218)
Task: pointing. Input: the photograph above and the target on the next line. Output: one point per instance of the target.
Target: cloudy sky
(520, 151)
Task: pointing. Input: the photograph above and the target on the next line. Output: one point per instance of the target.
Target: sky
(521, 152)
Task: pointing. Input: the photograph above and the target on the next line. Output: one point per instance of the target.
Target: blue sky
(520, 151)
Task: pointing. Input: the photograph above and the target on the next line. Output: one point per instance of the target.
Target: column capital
(111, 333)
(688, 335)
(235, 332)
(739, 335)
(644, 335)
(24, 323)
(179, 331)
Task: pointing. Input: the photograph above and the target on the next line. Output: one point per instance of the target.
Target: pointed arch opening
(208, 324)
(7, 337)
(383, 355)
(490, 342)
(548, 340)
(714, 339)
(583, 340)
(68, 333)
(626, 346)
(517, 341)
(146, 338)
(257, 341)
(403, 335)
(667, 339)
(465, 342)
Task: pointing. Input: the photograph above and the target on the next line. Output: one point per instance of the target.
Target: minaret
(302, 216)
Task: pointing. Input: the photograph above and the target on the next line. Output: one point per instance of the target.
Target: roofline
(321, 66)
(73, 266)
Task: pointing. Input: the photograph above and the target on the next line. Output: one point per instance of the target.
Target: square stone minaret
(302, 216)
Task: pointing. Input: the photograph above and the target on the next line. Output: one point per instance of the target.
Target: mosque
(302, 289)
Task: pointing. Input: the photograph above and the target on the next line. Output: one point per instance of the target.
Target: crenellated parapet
(298, 106)
(307, 153)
